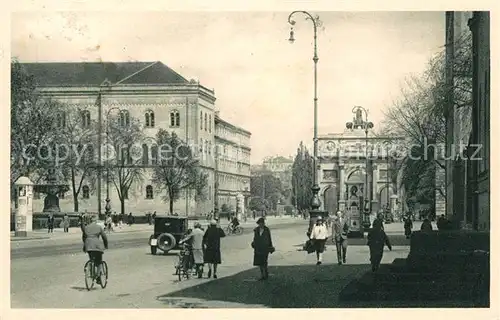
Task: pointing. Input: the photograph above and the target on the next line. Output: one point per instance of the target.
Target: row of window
(123, 118)
(239, 182)
(149, 193)
(205, 122)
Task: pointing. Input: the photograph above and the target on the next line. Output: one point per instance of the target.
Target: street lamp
(107, 208)
(315, 201)
(359, 122)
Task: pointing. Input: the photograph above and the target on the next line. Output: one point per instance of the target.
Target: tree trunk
(122, 205)
(75, 194)
(171, 205)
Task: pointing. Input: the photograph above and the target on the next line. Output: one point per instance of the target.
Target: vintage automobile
(168, 231)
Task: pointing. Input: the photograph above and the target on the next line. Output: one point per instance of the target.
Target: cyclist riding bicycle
(234, 223)
(91, 243)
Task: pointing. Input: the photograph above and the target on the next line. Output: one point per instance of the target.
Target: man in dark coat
(262, 245)
(339, 234)
(50, 223)
(211, 244)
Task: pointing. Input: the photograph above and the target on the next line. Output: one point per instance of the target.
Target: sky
(261, 81)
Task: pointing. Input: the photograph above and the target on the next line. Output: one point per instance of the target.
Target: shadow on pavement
(299, 286)
(83, 288)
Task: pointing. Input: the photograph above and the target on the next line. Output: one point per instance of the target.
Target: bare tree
(420, 115)
(124, 155)
(177, 169)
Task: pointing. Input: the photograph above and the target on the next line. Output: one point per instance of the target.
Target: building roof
(67, 74)
(218, 119)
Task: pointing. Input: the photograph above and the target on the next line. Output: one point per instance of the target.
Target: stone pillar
(394, 205)
(375, 175)
(342, 187)
(240, 206)
(24, 213)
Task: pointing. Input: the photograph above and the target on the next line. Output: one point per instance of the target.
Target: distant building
(281, 168)
(160, 98)
(233, 165)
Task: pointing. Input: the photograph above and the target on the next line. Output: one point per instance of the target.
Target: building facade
(233, 162)
(281, 168)
(158, 97)
(350, 162)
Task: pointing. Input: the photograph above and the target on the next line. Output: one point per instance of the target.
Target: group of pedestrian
(340, 225)
(205, 247)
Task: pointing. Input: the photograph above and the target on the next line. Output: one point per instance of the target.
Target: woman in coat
(376, 241)
(211, 243)
(262, 245)
(319, 235)
(408, 226)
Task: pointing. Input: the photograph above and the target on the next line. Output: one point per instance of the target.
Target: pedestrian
(408, 226)
(426, 225)
(66, 222)
(376, 241)
(196, 240)
(109, 223)
(379, 219)
(50, 223)
(148, 216)
(130, 219)
(211, 243)
(340, 231)
(262, 245)
(319, 234)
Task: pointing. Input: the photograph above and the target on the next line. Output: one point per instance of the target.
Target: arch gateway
(354, 161)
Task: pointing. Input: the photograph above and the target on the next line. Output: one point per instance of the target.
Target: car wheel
(166, 242)
(153, 250)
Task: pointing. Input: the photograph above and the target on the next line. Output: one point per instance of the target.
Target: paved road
(140, 280)
(139, 238)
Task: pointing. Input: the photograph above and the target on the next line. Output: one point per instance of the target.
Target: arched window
(201, 145)
(85, 192)
(124, 118)
(150, 119)
(206, 146)
(61, 119)
(85, 115)
(145, 154)
(149, 192)
(201, 120)
(175, 119)
(206, 121)
(210, 123)
(209, 147)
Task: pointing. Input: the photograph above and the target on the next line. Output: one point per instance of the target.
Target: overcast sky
(262, 83)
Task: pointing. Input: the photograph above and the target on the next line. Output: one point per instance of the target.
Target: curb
(28, 238)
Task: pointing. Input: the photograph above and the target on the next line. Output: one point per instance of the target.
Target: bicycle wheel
(104, 274)
(89, 274)
(229, 231)
(238, 230)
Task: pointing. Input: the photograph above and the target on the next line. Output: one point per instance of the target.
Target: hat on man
(261, 220)
(197, 225)
(319, 218)
(213, 222)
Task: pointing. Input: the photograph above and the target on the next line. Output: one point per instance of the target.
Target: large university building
(158, 97)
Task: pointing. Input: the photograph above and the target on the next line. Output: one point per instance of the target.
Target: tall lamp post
(107, 208)
(360, 122)
(315, 201)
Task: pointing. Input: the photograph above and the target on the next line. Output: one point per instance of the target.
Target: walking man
(339, 234)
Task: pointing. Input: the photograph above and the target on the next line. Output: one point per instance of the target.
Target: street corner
(290, 286)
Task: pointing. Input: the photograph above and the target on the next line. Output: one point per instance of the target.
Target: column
(342, 187)
(24, 213)
(375, 177)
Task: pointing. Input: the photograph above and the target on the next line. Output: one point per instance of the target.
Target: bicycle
(91, 274)
(234, 230)
(184, 265)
